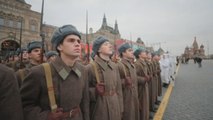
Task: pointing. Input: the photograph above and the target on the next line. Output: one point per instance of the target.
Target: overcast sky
(173, 23)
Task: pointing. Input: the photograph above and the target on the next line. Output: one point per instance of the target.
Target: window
(18, 24)
(10, 23)
(1, 21)
(33, 28)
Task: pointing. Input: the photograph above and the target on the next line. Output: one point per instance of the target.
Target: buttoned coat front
(70, 88)
(130, 93)
(110, 105)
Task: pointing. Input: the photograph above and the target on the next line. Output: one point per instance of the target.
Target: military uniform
(10, 100)
(159, 78)
(27, 65)
(108, 106)
(152, 84)
(143, 89)
(130, 90)
(70, 88)
(21, 73)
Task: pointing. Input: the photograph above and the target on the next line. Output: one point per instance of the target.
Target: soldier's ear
(59, 47)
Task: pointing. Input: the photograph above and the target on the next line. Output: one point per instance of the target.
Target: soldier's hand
(147, 78)
(58, 115)
(128, 81)
(100, 88)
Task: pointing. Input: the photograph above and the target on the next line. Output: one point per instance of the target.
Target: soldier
(156, 59)
(10, 100)
(106, 99)
(152, 83)
(143, 79)
(18, 63)
(70, 96)
(23, 53)
(34, 53)
(13, 58)
(129, 83)
(51, 56)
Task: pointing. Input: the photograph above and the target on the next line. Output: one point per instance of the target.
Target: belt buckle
(71, 111)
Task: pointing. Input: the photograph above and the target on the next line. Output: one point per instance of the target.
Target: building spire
(195, 45)
(116, 31)
(104, 23)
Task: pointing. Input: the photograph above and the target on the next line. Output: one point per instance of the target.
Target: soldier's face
(52, 58)
(25, 55)
(16, 58)
(70, 46)
(149, 56)
(10, 58)
(106, 48)
(143, 55)
(35, 54)
(128, 54)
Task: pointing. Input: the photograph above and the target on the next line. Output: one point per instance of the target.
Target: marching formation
(66, 88)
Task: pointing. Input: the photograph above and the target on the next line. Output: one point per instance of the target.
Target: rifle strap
(21, 73)
(96, 72)
(50, 87)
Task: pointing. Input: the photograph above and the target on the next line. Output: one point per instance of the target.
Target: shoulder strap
(96, 71)
(21, 73)
(50, 88)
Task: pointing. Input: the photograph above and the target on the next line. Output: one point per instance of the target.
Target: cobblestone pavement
(192, 95)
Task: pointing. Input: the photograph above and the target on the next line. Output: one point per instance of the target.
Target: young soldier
(68, 96)
(156, 59)
(152, 83)
(129, 83)
(105, 85)
(143, 79)
(34, 53)
(10, 100)
(51, 56)
(13, 59)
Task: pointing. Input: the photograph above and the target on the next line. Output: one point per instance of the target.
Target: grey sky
(174, 23)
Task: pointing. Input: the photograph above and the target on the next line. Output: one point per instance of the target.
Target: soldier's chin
(76, 55)
(111, 52)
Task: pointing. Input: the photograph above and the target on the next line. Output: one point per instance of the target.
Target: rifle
(42, 34)
(88, 49)
(20, 42)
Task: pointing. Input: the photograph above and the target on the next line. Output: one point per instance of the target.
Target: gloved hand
(147, 78)
(128, 81)
(58, 115)
(100, 88)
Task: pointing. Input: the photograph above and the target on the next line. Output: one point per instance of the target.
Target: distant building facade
(17, 14)
(190, 52)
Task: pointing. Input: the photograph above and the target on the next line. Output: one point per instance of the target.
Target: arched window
(33, 25)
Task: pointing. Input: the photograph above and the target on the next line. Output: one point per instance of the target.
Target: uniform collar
(64, 70)
(104, 64)
(127, 62)
(142, 61)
